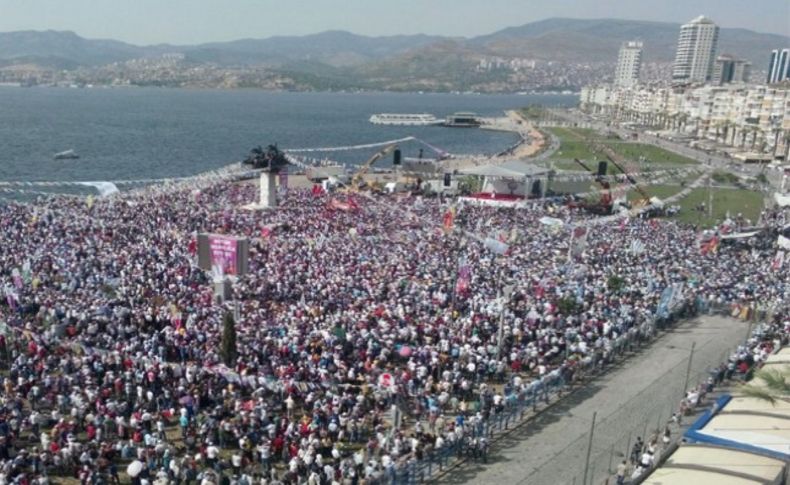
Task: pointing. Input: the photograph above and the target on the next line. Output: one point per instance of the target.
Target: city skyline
(147, 22)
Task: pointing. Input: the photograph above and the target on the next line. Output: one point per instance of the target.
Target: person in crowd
(111, 336)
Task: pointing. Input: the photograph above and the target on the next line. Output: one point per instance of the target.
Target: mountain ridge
(533, 39)
(568, 53)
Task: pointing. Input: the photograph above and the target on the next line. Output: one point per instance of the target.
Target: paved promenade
(525, 455)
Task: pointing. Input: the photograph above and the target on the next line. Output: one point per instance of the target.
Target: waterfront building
(779, 66)
(696, 51)
(629, 62)
(754, 118)
(727, 70)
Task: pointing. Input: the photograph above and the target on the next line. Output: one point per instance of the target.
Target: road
(542, 450)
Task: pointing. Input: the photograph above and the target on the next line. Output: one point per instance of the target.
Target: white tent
(513, 177)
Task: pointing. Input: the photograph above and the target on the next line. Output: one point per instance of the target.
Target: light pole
(506, 291)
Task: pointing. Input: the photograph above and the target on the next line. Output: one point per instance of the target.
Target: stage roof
(509, 169)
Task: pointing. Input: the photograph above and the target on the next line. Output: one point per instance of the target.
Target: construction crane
(359, 176)
(645, 196)
(611, 155)
(604, 205)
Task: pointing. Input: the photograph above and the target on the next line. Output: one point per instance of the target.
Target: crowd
(110, 335)
(764, 340)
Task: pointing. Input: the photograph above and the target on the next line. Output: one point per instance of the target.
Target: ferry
(423, 119)
(462, 120)
(66, 155)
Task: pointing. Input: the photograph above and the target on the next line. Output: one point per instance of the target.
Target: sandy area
(512, 122)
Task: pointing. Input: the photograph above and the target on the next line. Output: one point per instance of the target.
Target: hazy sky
(194, 21)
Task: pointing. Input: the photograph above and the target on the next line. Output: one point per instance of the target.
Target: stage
(493, 199)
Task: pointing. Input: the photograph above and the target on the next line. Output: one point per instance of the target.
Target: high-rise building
(727, 69)
(779, 66)
(696, 51)
(629, 61)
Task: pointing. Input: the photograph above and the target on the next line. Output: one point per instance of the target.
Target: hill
(598, 40)
(568, 53)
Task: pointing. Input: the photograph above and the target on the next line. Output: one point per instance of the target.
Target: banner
(663, 304)
(464, 276)
(223, 253)
(449, 219)
(495, 245)
(676, 297)
(578, 242)
(637, 247)
(337, 205)
(778, 261)
(710, 246)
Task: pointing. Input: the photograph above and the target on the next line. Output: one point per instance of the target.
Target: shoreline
(532, 142)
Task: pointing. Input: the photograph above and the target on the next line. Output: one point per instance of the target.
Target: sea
(151, 133)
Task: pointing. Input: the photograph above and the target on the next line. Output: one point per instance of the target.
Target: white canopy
(509, 169)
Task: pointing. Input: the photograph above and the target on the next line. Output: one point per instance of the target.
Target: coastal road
(543, 450)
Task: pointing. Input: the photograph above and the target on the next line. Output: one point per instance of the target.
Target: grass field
(733, 201)
(660, 191)
(653, 154)
(572, 145)
(575, 143)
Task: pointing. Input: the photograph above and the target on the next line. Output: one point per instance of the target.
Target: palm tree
(776, 386)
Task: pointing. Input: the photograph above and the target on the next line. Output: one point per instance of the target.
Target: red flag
(336, 204)
(449, 219)
(711, 246)
(779, 260)
(464, 276)
(192, 248)
(317, 190)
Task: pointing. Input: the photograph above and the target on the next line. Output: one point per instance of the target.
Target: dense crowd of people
(111, 333)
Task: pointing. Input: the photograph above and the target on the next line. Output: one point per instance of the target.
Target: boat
(423, 119)
(66, 155)
(462, 120)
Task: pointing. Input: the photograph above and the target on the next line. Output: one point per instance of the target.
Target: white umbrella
(134, 468)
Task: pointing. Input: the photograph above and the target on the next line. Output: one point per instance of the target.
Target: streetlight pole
(688, 369)
(506, 291)
(589, 448)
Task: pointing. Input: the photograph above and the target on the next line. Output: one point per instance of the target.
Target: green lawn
(575, 143)
(660, 191)
(653, 154)
(572, 145)
(735, 201)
